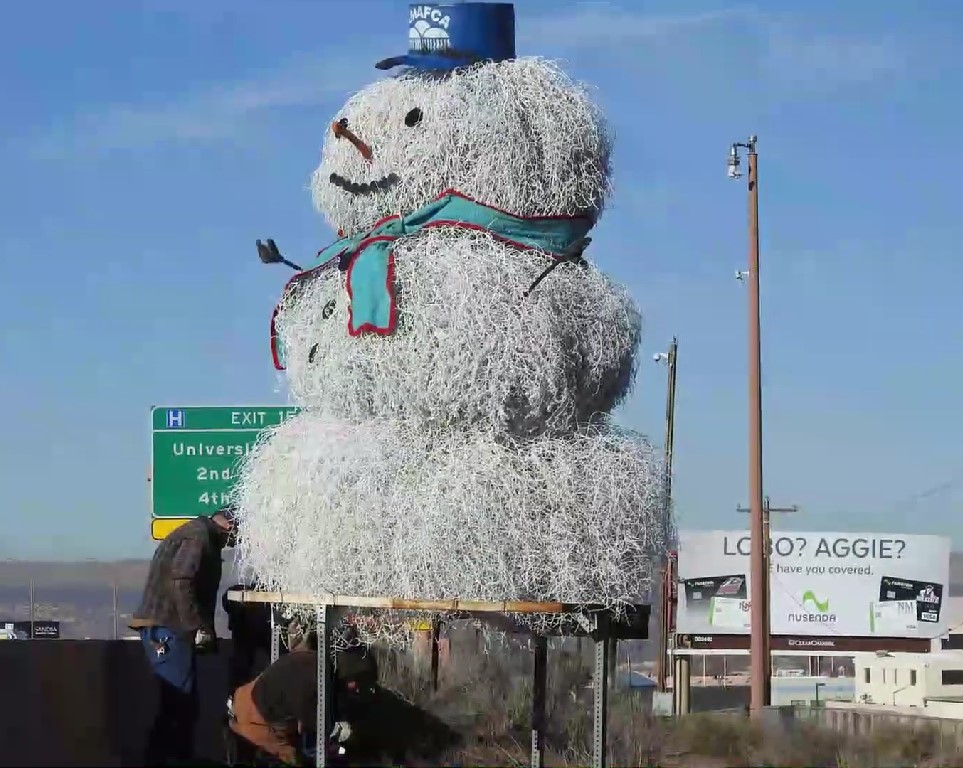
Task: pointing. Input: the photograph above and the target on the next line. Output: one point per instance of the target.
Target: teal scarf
(370, 261)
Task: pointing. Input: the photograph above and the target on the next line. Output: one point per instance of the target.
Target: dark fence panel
(91, 703)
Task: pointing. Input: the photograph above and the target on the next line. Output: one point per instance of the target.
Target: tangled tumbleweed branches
(469, 350)
(380, 508)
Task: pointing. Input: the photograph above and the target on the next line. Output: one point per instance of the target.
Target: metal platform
(591, 621)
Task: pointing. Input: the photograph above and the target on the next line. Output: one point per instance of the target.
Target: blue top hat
(445, 36)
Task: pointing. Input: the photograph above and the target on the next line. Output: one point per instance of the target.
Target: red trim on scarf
(275, 358)
(393, 308)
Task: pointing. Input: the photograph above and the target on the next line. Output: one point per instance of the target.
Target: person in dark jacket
(276, 711)
(250, 627)
(176, 622)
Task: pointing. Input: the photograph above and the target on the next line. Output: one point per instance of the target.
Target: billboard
(821, 584)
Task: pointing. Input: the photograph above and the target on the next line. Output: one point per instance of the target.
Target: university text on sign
(195, 455)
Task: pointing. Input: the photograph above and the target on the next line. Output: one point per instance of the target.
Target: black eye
(413, 117)
(343, 122)
(328, 310)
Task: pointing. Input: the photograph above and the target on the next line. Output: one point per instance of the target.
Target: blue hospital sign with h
(175, 418)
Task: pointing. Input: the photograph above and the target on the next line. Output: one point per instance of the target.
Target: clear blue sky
(145, 146)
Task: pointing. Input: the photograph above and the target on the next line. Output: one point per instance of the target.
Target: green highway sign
(195, 452)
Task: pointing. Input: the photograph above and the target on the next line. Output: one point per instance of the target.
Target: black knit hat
(229, 513)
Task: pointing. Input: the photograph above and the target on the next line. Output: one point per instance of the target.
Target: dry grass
(480, 716)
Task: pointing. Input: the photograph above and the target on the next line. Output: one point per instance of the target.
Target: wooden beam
(401, 604)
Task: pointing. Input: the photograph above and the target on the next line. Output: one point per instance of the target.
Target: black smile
(364, 189)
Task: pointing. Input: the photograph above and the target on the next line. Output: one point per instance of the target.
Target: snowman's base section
(388, 508)
(602, 625)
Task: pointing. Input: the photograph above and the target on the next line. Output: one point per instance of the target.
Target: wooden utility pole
(767, 510)
(760, 664)
(669, 358)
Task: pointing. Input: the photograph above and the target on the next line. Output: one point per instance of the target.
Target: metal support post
(539, 680)
(325, 711)
(114, 608)
(681, 684)
(275, 635)
(600, 685)
(435, 637)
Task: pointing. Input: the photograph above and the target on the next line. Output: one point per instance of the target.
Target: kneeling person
(275, 710)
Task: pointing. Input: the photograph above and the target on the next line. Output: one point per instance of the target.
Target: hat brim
(429, 62)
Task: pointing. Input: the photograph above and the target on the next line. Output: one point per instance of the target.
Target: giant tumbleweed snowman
(454, 439)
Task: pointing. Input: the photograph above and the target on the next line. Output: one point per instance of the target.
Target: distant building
(953, 640)
(933, 681)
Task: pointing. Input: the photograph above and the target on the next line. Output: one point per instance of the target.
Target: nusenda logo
(821, 615)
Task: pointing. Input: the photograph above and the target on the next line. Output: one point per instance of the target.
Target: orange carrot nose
(341, 130)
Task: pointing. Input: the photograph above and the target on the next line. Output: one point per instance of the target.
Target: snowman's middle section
(469, 348)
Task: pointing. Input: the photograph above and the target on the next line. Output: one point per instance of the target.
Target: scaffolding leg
(325, 720)
(539, 679)
(435, 637)
(275, 635)
(613, 659)
(600, 686)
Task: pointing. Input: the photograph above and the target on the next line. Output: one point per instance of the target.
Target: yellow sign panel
(160, 527)
(420, 626)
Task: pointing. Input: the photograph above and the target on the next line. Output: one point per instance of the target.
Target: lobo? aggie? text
(838, 547)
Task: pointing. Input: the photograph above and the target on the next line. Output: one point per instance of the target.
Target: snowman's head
(517, 135)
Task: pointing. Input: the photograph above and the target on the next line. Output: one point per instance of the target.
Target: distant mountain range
(79, 594)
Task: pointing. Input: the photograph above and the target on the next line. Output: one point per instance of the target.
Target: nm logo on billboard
(820, 610)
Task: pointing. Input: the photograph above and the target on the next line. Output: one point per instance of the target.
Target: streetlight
(761, 665)
(669, 358)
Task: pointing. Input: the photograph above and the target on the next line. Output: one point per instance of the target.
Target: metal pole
(759, 640)
(275, 635)
(670, 419)
(32, 616)
(667, 495)
(324, 723)
(435, 639)
(601, 690)
(114, 600)
(538, 701)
